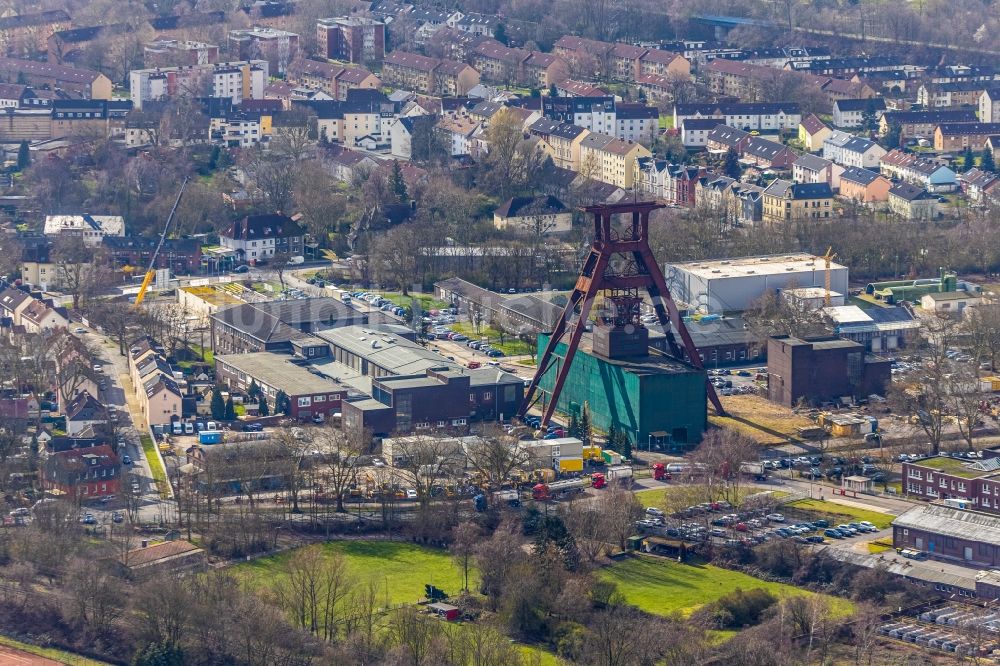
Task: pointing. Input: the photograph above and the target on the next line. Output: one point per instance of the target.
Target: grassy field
(51, 653)
(666, 121)
(403, 568)
(427, 302)
(756, 417)
(657, 496)
(155, 466)
(840, 513)
(664, 587)
(511, 346)
(533, 655)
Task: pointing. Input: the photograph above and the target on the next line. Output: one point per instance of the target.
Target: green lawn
(664, 587)
(427, 302)
(666, 121)
(657, 496)
(511, 346)
(840, 513)
(52, 653)
(545, 658)
(155, 466)
(403, 568)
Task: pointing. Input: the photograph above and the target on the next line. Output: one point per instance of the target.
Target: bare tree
(721, 455)
(465, 538)
(495, 455)
(341, 451)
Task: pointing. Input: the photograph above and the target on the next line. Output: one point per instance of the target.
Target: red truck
(600, 479)
(660, 472)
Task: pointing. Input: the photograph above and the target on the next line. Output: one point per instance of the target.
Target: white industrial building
(733, 285)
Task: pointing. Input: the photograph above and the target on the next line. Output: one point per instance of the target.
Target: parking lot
(716, 522)
(737, 381)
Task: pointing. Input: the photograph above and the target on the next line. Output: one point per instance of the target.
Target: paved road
(119, 394)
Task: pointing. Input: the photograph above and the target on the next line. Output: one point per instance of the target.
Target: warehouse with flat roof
(733, 285)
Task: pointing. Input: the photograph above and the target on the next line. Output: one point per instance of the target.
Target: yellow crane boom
(151, 273)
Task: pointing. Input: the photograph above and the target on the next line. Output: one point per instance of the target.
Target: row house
(233, 80)
(610, 160)
(945, 95)
(85, 83)
(863, 186)
(33, 314)
(746, 81)
(562, 140)
(813, 132)
(849, 150)
(28, 34)
(980, 185)
(89, 117)
(920, 171)
(363, 118)
(956, 137)
(812, 169)
(428, 21)
(848, 67)
(989, 105)
(736, 203)
(432, 76)
(623, 62)
(596, 114)
(674, 184)
(771, 116)
(635, 121)
(178, 26)
(159, 396)
(499, 64)
(851, 112)
(786, 201)
(655, 86)
(724, 138)
(921, 124)
(458, 135)
(571, 88)
(911, 202)
(335, 80)
(767, 154)
(695, 131)
(19, 96)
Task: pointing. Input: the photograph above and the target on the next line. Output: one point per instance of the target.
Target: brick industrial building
(821, 369)
(949, 533)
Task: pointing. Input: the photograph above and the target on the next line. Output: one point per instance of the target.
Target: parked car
(776, 517)
(126, 460)
(833, 533)
(653, 511)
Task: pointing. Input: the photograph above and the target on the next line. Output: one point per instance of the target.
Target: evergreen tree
(624, 446)
(253, 390)
(230, 409)
(968, 160)
(218, 405)
(159, 654)
(23, 156)
(869, 117)
(732, 165)
(500, 33)
(282, 405)
(585, 426)
(986, 162)
(553, 91)
(893, 137)
(612, 436)
(262, 405)
(397, 184)
(574, 426)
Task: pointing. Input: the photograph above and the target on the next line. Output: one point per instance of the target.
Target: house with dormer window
(256, 238)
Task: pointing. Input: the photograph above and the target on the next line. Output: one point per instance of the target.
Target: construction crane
(828, 257)
(151, 273)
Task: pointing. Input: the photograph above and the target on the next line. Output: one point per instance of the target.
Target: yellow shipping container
(570, 465)
(592, 452)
